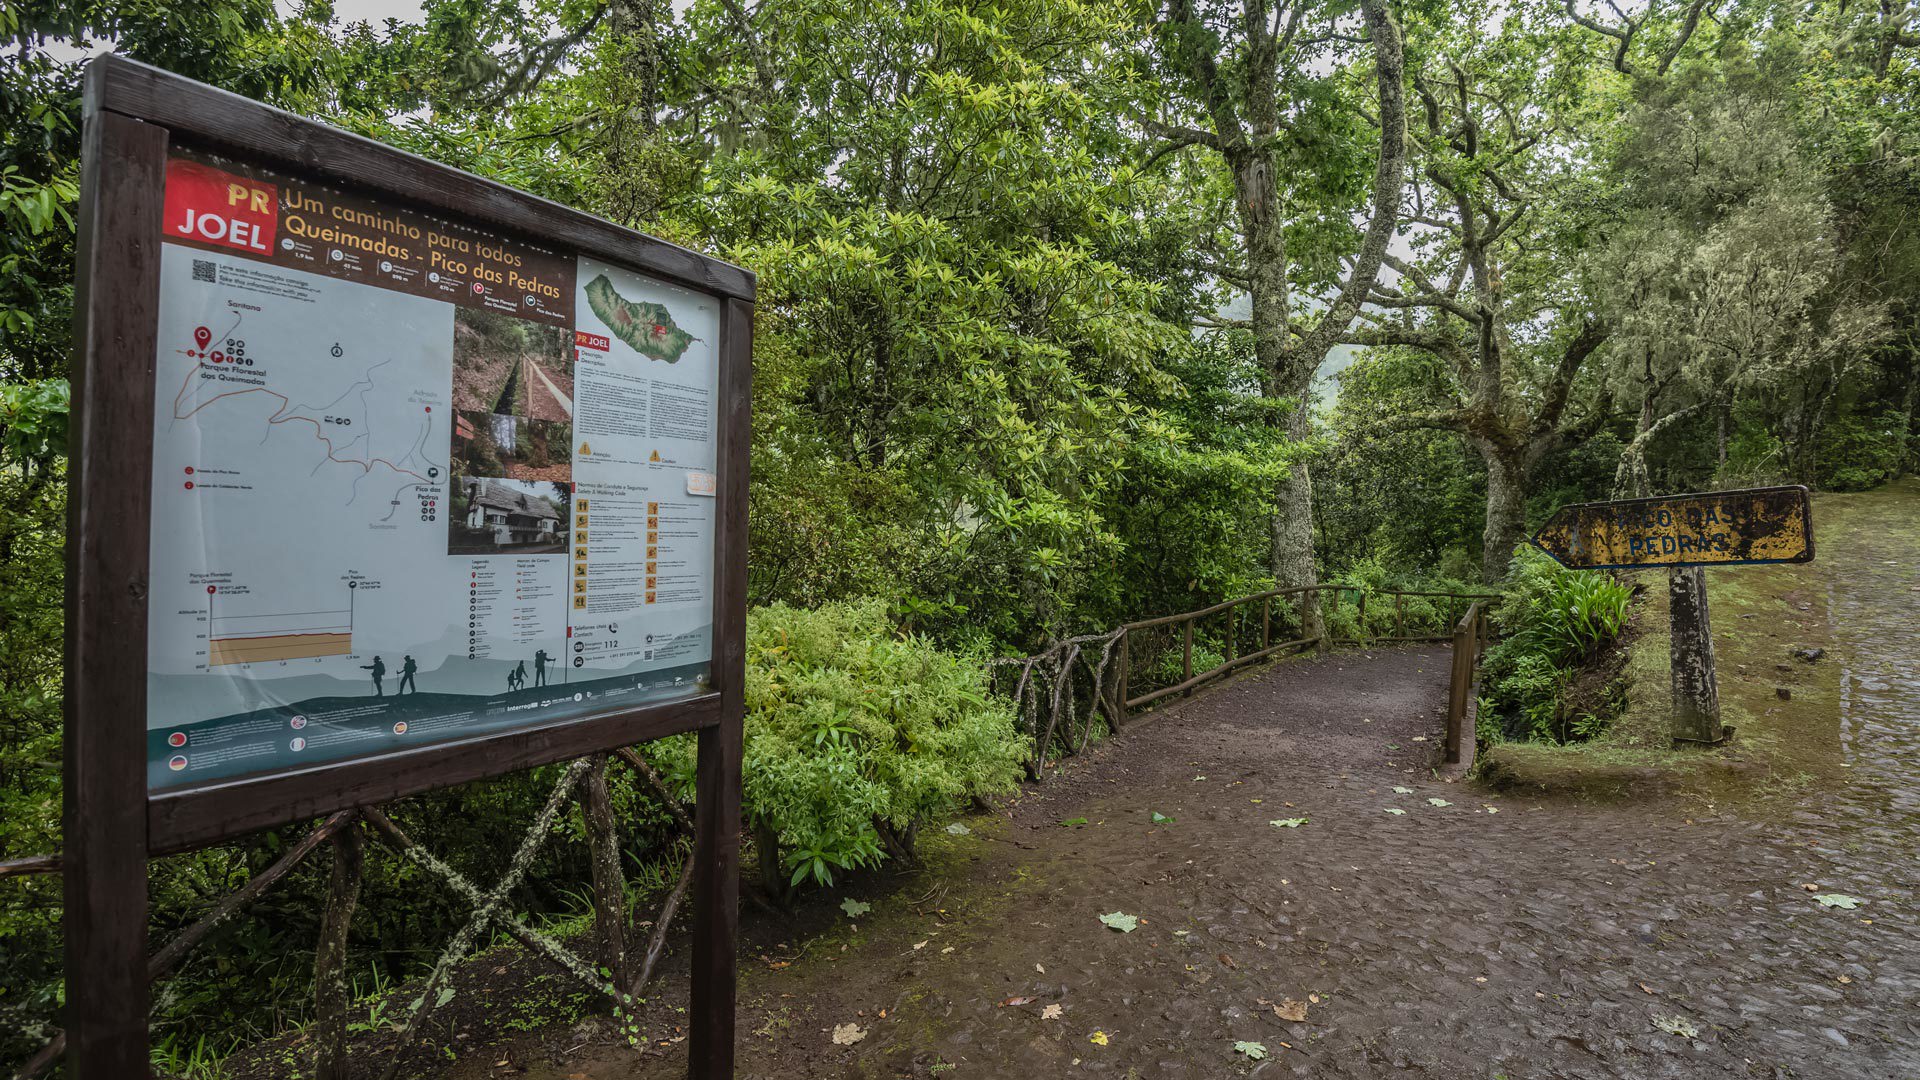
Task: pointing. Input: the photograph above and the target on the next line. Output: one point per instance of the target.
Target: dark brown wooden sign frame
(133, 115)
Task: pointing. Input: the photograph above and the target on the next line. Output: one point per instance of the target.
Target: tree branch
(1389, 179)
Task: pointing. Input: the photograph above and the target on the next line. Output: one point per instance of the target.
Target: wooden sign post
(386, 478)
(1686, 533)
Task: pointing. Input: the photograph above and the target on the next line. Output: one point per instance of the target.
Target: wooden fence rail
(1247, 629)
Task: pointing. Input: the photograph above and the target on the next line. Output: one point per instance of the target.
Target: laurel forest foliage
(1005, 385)
(856, 736)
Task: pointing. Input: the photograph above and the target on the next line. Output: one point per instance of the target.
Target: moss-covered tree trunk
(1506, 522)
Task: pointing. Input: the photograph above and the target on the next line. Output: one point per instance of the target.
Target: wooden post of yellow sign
(1685, 533)
(1696, 696)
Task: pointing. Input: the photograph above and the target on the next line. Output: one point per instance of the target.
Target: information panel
(412, 481)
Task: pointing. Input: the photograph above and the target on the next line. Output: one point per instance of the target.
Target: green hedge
(856, 734)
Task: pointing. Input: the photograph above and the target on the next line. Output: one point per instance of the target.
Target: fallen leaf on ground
(1288, 823)
(1398, 790)
(1396, 811)
(1051, 1012)
(1438, 802)
(922, 945)
(848, 1034)
(1039, 969)
(1016, 1001)
(1072, 821)
(1161, 819)
(1254, 1050)
(1644, 987)
(855, 908)
(1839, 900)
(1291, 1011)
(1227, 961)
(1098, 1038)
(1124, 923)
(1491, 809)
(957, 829)
(1675, 1025)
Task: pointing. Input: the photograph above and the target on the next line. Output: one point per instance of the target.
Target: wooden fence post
(1233, 631)
(1266, 621)
(1360, 619)
(1126, 676)
(330, 998)
(1399, 615)
(1186, 652)
(609, 879)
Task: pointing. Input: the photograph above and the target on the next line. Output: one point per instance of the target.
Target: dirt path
(1492, 937)
(546, 399)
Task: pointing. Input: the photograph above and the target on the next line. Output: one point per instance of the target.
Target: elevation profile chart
(283, 635)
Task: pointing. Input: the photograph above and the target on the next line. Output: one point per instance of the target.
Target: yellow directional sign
(1717, 528)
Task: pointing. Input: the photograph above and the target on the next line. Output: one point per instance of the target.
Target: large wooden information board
(387, 478)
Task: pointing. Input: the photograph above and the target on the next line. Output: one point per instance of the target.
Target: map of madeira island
(649, 328)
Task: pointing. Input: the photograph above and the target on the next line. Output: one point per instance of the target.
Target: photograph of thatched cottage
(494, 515)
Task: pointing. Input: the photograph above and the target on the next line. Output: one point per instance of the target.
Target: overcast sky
(372, 11)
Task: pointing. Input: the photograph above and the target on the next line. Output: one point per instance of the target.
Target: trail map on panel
(401, 493)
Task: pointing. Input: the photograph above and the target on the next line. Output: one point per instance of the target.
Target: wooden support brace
(330, 993)
(609, 879)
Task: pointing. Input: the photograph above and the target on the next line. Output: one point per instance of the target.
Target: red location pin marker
(202, 335)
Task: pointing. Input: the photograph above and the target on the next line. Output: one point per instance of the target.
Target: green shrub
(1552, 620)
(1558, 614)
(855, 735)
(1856, 452)
(1170, 668)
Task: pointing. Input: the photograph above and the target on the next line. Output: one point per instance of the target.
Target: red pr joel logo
(210, 206)
(584, 340)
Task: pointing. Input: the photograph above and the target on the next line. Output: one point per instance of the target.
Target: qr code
(203, 269)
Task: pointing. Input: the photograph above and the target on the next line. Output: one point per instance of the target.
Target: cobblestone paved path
(1486, 937)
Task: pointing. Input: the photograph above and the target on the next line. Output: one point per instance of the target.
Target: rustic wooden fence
(1470, 636)
(613, 970)
(1065, 691)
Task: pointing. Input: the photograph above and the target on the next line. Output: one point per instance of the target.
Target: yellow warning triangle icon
(585, 449)
(655, 456)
